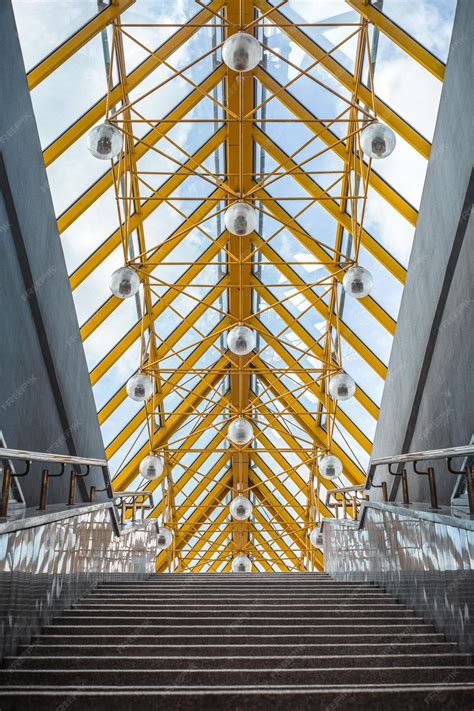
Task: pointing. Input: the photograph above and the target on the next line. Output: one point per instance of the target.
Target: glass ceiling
(197, 136)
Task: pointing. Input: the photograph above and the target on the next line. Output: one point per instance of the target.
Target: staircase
(238, 642)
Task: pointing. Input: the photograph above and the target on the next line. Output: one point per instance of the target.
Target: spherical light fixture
(240, 508)
(151, 467)
(241, 564)
(104, 141)
(314, 536)
(358, 282)
(341, 386)
(124, 282)
(377, 140)
(140, 387)
(164, 538)
(240, 431)
(242, 52)
(241, 340)
(240, 219)
(330, 466)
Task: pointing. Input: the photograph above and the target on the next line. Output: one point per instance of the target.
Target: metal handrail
(134, 495)
(354, 501)
(448, 453)
(50, 458)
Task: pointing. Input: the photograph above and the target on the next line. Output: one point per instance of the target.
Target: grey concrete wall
(46, 401)
(428, 401)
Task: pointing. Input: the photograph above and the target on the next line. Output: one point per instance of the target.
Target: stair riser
(349, 699)
(246, 677)
(138, 638)
(193, 617)
(256, 650)
(225, 661)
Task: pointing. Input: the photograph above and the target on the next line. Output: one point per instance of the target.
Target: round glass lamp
(241, 564)
(164, 538)
(242, 52)
(330, 466)
(240, 508)
(377, 140)
(151, 467)
(341, 386)
(240, 219)
(240, 431)
(314, 535)
(140, 387)
(241, 340)
(124, 282)
(104, 141)
(358, 282)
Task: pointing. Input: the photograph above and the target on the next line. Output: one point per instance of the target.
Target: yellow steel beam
(174, 421)
(313, 387)
(405, 41)
(240, 165)
(306, 422)
(170, 295)
(316, 350)
(280, 309)
(149, 206)
(150, 139)
(134, 334)
(331, 206)
(172, 425)
(344, 76)
(66, 50)
(293, 474)
(199, 462)
(215, 495)
(272, 504)
(331, 139)
(98, 111)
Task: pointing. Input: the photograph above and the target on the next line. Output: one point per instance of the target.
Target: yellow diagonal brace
(173, 421)
(200, 460)
(331, 206)
(353, 340)
(383, 111)
(405, 41)
(314, 388)
(317, 351)
(60, 55)
(215, 495)
(149, 206)
(113, 302)
(172, 425)
(162, 128)
(331, 139)
(97, 112)
(306, 422)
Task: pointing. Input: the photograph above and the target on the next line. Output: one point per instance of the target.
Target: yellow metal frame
(288, 402)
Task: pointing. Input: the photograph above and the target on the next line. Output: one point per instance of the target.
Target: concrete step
(453, 697)
(197, 616)
(321, 626)
(403, 634)
(338, 646)
(235, 676)
(122, 660)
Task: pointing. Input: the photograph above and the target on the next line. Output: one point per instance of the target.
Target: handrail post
(469, 488)
(406, 497)
(93, 494)
(7, 477)
(44, 490)
(430, 473)
(72, 489)
(384, 491)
